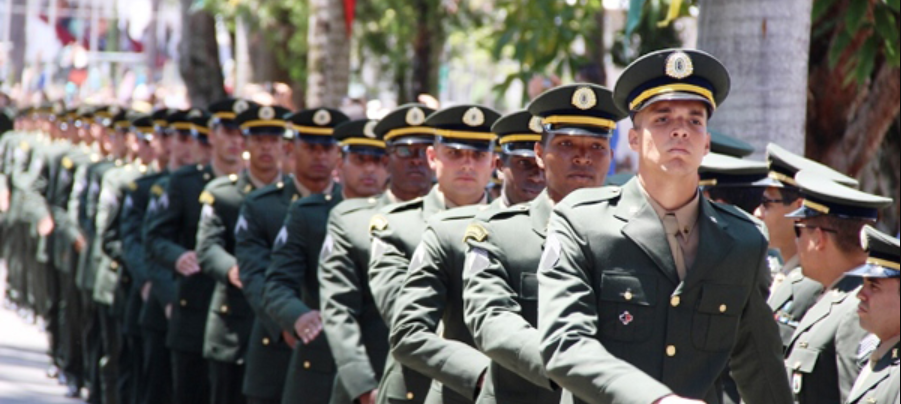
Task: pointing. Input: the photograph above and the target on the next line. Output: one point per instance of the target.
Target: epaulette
(206, 198)
(354, 205)
(510, 211)
(265, 191)
(736, 212)
(591, 196)
(414, 204)
(461, 213)
(313, 200)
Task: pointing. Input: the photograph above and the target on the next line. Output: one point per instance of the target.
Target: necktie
(671, 225)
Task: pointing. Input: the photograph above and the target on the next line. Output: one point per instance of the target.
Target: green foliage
(870, 26)
(648, 28)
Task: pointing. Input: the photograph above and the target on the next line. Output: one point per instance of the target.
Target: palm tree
(329, 54)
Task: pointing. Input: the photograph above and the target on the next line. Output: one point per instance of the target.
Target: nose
(758, 213)
(680, 130)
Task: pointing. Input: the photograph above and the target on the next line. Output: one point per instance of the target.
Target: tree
(199, 56)
(328, 60)
(764, 44)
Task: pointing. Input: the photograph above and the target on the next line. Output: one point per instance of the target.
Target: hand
(187, 264)
(169, 311)
(4, 200)
(677, 400)
(234, 276)
(79, 244)
(289, 339)
(369, 398)
(308, 326)
(45, 226)
(145, 291)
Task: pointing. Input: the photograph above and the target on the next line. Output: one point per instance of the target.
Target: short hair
(846, 231)
(744, 198)
(789, 195)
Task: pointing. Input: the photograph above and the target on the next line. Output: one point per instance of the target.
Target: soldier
(356, 332)
(792, 293)
(823, 356)
(170, 239)
(634, 304)
(500, 282)
(230, 317)
(880, 303)
(432, 289)
(729, 180)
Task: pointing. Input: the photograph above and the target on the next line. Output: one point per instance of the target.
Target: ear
(498, 162)
(432, 156)
(539, 155)
(707, 146)
(634, 140)
(819, 238)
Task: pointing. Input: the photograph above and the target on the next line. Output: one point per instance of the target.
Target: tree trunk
(329, 55)
(764, 44)
(199, 56)
(18, 41)
(596, 70)
(427, 47)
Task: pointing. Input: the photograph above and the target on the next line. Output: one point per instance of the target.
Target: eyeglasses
(407, 152)
(799, 226)
(767, 202)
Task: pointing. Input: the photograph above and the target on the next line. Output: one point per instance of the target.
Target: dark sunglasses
(799, 226)
(407, 152)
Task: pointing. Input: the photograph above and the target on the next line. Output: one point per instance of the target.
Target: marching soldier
(170, 238)
(432, 289)
(230, 317)
(261, 216)
(823, 355)
(880, 302)
(356, 332)
(633, 304)
(500, 281)
(792, 293)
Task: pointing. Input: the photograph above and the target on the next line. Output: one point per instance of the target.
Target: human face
(772, 212)
(145, 151)
(880, 307)
(264, 152)
(363, 175)
(409, 168)
(227, 144)
(574, 162)
(315, 162)
(811, 240)
(185, 149)
(523, 178)
(462, 174)
(671, 138)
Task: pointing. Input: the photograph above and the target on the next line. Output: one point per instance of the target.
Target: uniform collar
(686, 216)
(887, 349)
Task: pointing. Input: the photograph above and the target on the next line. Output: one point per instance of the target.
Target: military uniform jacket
(65, 230)
(500, 298)
(163, 289)
(91, 257)
(170, 233)
(262, 216)
(823, 358)
(230, 318)
(432, 293)
(131, 220)
(882, 384)
(791, 300)
(619, 326)
(356, 332)
(396, 232)
(292, 290)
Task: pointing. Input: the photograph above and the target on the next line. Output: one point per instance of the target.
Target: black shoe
(53, 372)
(73, 391)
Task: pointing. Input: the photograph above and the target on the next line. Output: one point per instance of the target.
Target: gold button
(307, 365)
(628, 296)
(410, 396)
(675, 301)
(224, 309)
(265, 341)
(114, 265)
(671, 351)
(723, 308)
(184, 303)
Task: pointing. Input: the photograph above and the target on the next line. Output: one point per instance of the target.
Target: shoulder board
(313, 200)
(206, 198)
(462, 213)
(593, 195)
(475, 232)
(511, 211)
(404, 206)
(67, 163)
(157, 190)
(260, 193)
(378, 223)
(735, 212)
(354, 205)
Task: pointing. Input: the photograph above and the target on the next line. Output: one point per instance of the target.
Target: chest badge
(626, 318)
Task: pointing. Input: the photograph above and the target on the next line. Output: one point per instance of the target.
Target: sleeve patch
(378, 223)
(207, 198)
(157, 190)
(475, 232)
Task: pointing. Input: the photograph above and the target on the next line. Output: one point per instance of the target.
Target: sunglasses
(408, 152)
(767, 202)
(799, 226)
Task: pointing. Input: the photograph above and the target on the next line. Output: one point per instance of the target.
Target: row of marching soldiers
(248, 254)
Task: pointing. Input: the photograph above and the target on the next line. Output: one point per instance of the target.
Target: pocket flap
(803, 360)
(639, 290)
(722, 300)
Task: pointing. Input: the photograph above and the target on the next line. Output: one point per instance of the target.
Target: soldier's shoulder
(311, 201)
(219, 184)
(737, 215)
(402, 207)
(461, 213)
(186, 172)
(587, 197)
(511, 212)
(355, 205)
(265, 192)
(149, 179)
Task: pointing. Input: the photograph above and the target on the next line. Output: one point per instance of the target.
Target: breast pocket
(627, 305)
(715, 321)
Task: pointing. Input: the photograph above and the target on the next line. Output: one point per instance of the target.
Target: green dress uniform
(356, 332)
(291, 286)
(880, 381)
(618, 322)
(260, 220)
(500, 296)
(823, 356)
(171, 232)
(432, 290)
